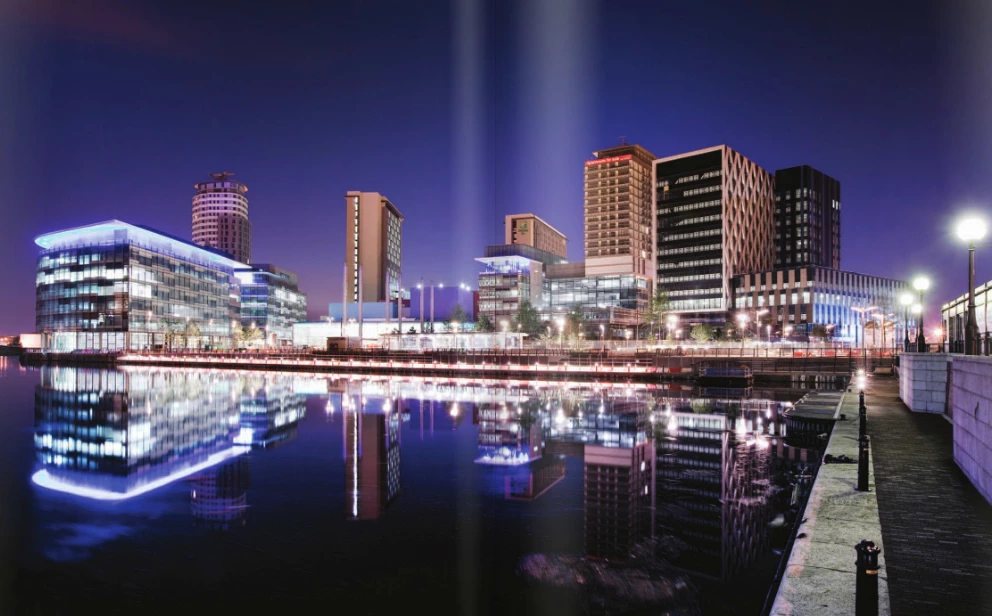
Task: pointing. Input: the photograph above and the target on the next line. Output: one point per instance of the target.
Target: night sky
(462, 112)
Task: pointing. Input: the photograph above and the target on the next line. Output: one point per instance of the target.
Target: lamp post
(757, 323)
(921, 284)
(970, 230)
(742, 322)
(602, 336)
(906, 298)
(561, 332)
(672, 321)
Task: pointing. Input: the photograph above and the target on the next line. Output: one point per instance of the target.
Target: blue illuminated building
(114, 286)
(271, 301)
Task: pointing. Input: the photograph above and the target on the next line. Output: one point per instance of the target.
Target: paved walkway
(936, 527)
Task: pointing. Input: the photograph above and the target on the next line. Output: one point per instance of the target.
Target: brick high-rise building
(530, 230)
(619, 212)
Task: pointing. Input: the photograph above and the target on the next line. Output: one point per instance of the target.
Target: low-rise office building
(806, 297)
(615, 301)
(271, 300)
(113, 286)
(954, 314)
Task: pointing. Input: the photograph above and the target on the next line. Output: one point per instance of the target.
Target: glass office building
(616, 301)
(271, 300)
(114, 286)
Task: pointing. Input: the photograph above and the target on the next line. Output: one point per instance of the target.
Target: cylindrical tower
(220, 216)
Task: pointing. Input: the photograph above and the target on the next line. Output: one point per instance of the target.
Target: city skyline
(298, 156)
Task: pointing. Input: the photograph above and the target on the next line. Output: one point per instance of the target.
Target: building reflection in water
(535, 480)
(115, 434)
(110, 435)
(371, 433)
(270, 411)
(674, 487)
(219, 496)
(715, 484)
(509, 435)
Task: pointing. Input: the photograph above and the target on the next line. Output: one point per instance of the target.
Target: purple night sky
(462, 112)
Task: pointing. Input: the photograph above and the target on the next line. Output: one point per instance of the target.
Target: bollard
(861, 400)
(862, 422)
(866, 589)
(863, 463)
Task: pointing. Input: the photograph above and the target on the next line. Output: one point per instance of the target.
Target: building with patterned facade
(373, 242)
(807, 218)
(619, 212)
(802, 298)
(715, 220)
(220, 216)
(531, 230)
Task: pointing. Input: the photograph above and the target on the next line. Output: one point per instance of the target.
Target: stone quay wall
(971, 412)
(923, 381)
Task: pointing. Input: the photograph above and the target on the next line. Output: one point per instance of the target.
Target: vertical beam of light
(472, 117)
(472, 201)
(555, 93)
(556, 90)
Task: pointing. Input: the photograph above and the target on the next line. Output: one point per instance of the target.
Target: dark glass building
(807, 218)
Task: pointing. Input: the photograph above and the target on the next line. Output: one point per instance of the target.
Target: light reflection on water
(679, 494)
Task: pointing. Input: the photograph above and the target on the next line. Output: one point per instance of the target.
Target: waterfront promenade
(933, 526)
(936, 527)
(773, 364)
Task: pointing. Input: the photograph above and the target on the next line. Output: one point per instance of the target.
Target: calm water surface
(167, 490)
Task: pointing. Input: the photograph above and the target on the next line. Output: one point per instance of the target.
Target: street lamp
(757, 322)
(602, 336)
(970, 230)
(673, 320)
(921, 284)
(561, 332)
(906, 299)
(742, 321)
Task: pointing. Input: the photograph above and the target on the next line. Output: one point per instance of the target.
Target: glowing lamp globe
(922, 283)
(971, 229)
(906, 299)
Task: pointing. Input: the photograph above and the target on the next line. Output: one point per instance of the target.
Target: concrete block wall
(923, 381)
(971, 396)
